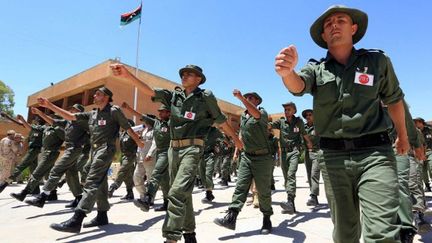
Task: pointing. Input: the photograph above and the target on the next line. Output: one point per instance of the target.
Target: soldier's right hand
(125, 105)
(286, 60)
(43, 101)
(120, 70)
(35, 110)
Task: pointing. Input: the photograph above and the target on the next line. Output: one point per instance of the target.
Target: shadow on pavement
(64, 211)
(104, 231)
(280, 230)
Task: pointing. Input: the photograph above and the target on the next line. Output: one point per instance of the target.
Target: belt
(366, 141)
(258, 152)
(178, 143)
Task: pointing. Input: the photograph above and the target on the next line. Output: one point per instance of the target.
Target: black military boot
(208, 197)
(407, 235)
(3, 185)
(52, 196)
(129, 195)
(428, 188)
(36, 191)
(163, 207)
(313, 200)
(38, 201)
(189, 237)
(72, 225)
(74, 203)
(229, 221)
(144, 204)
(223, 182)
(100, 220)
(20, 196)
(267, 225)
(111, 190)
(289, 206)
(419, 219)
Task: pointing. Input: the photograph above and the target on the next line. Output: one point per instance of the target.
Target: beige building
(81, 87)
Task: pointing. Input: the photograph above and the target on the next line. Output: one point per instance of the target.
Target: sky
(235, 42)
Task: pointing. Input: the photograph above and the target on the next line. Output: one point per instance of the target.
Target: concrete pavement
(22, 223)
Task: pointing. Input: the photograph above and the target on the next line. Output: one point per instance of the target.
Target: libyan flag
(128, 18)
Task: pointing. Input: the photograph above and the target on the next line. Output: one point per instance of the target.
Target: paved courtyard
(22, 223)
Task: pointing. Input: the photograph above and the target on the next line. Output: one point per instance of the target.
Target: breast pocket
(326, 89)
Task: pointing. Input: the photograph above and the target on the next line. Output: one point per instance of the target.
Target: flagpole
(136, 66)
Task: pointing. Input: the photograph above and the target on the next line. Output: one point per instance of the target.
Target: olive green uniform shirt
(254, 132)
(192, 115)
(291, 133)
(310, 131)
(127, 144)
(104, 125)
(214, 138)
(35, 136)
(427, 134)
(76, 133)
(343, 108)
(161, 133)
(410, 127)
(53, 138)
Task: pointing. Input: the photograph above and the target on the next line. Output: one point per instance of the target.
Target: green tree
(6, 98)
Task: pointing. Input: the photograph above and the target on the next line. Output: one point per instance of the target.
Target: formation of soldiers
(373, 156)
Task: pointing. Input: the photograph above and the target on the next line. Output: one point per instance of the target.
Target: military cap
(164, 108)
(79, 107)
(254, 94)
(106, 92)
(195, 69)
(292, 104)
(358, 17)
(419, 119)
(306, 111)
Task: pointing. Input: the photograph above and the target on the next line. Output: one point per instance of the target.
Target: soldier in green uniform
(104, 124)
(226, 148)
(34, 141)
(405, 214)
(160, 175)
(311, 158)
(75, 134)
(415, 184)
(128, 150)
(427, 164)
(206, 165)
(292, 133)
(255, 163)
(193, 111)
(356, 158)
(52, 139)
(83, 159)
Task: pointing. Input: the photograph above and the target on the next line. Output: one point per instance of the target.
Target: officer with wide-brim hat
(194, 69)
(254, 94)
(420, 120)
(358, 17)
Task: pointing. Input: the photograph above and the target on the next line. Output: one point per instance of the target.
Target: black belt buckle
(349, 144)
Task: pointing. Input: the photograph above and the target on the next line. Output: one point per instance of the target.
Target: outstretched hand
(286, 60)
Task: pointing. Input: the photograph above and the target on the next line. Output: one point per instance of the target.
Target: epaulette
(363, 51)
(312, 60)
(207, 92)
